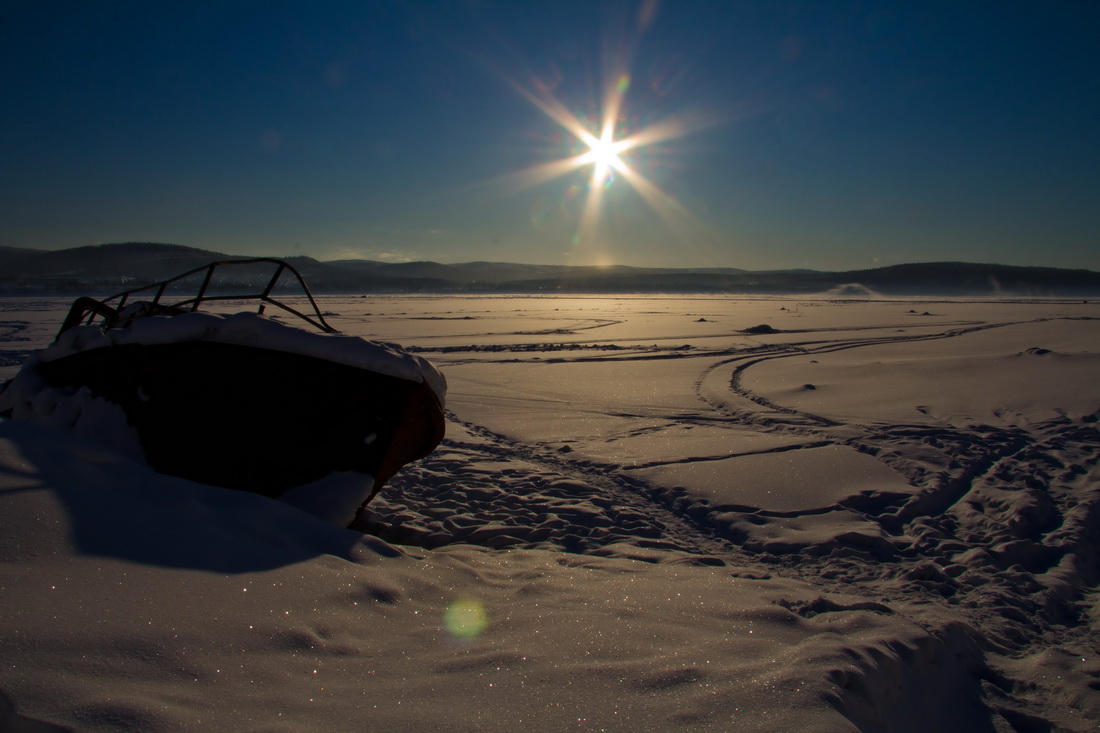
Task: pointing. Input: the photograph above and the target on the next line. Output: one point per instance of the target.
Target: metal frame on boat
(85, 309)
(240, 401)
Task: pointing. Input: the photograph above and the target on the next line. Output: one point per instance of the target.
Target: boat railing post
(205, 284)
(274, 279)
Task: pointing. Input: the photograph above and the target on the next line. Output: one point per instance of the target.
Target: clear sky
(830, 134)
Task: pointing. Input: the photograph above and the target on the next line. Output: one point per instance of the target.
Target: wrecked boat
(243, 401)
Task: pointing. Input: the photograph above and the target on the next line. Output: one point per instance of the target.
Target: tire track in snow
(502, 493)
(779, 417)
(1008, 528)
(941, 545)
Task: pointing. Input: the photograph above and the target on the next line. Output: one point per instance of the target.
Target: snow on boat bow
(319, 419)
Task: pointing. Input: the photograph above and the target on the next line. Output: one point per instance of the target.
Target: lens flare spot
(465, 618)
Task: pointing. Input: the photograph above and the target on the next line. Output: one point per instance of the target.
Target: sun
(603, 154)
(602, 142)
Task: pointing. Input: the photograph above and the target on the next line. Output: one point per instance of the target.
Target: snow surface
(882, 517)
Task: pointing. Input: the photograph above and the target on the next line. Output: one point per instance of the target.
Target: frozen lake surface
(710, 513)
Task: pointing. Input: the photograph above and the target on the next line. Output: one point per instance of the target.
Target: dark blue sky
(830, 134)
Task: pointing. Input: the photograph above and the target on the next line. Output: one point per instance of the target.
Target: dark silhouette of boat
(244, 401)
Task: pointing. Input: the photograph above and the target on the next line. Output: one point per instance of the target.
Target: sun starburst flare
(603, 154)
(603, 149)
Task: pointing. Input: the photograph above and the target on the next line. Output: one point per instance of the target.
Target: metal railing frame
(84, 310)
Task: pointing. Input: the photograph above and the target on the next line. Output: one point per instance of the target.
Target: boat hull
(255, 419)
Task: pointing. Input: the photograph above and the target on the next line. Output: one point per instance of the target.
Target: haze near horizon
(754, 135)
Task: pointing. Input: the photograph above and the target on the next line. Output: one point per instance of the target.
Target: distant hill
(108, 268)
(131, 260)
(10, 255)
(960, 278)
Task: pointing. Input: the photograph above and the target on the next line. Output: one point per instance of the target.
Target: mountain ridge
(108, 268)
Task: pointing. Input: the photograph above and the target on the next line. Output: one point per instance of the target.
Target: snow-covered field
(649, 513)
